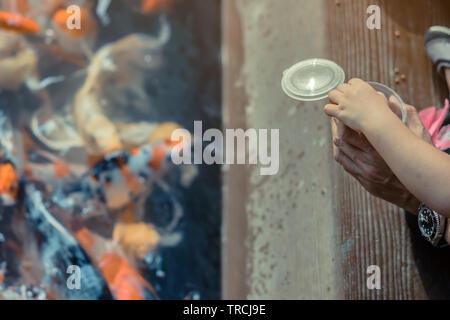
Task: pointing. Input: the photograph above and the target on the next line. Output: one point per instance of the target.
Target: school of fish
(55, 212)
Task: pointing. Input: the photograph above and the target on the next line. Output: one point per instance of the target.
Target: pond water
(91, 205)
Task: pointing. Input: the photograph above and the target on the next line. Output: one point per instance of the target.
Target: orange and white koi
(18, 61)
(122, 277)
(123, 64)
(120, 177)
(79, 40)
(9, 183)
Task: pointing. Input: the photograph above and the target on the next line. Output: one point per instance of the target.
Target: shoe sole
(436, 32)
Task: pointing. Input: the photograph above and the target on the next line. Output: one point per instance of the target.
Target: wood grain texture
(234, 284)
(374, 232)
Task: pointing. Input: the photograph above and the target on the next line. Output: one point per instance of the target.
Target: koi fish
(9, 176)
(88, 24)
(80, 39)
(122, 277)
(18, 23)
(61, 248)
(115, 179)
(121, 176)
(18, 60)
(125, 282)
(136, 238)
(116, 71)
(9, 183)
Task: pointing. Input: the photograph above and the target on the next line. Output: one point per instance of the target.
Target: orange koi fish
(18, 23)
(162, 137)
(121, 176)
(88, 24)
(122, 277)
(9, 183)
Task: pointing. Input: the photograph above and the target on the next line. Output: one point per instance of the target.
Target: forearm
(422, 169)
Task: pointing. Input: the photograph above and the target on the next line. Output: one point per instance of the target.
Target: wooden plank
(374, 232)
(234, 253)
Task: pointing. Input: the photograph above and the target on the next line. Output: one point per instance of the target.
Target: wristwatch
(432, 226)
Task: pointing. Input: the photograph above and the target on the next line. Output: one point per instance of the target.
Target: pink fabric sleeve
(433, 119)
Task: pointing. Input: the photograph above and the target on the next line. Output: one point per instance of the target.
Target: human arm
(421, 168)
(359, 158)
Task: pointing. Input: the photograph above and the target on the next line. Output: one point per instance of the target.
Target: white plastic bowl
(391, 94)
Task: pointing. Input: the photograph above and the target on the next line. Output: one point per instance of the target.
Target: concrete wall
(287, 241)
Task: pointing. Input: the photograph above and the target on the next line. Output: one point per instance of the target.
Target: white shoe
(437, 43)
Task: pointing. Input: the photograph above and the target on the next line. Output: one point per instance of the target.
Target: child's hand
(357, 105)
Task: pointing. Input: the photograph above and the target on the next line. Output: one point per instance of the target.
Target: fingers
(413, 121)
(340, 128)
(336, 97)
(361, 165)
(350, 151)
(394, 105)
(352, 160)
(340, 131)
(356, 139)
(334, 128)
(353, 169)
(371, 164)
(332, 110)
(336, 133)
(415, 124)
(348, 164)
(412, 115)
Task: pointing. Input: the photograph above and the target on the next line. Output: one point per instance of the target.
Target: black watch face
(427, 223)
